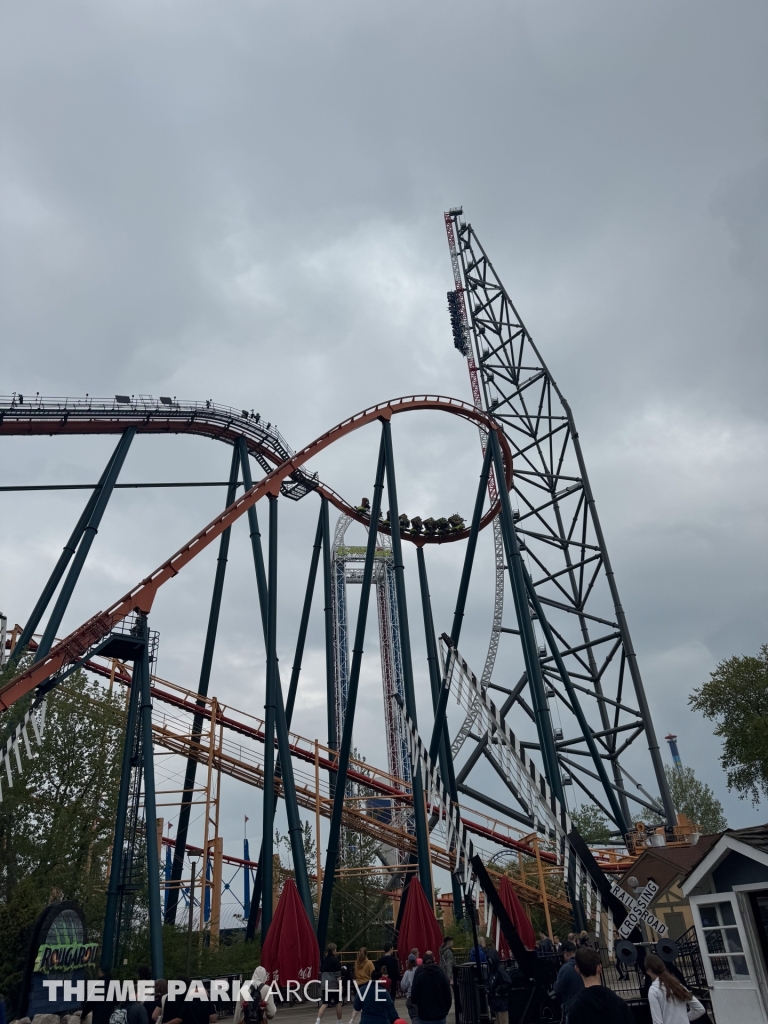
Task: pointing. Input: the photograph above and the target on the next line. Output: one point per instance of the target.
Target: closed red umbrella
(290, 952)
(418, 927)
(518, 916)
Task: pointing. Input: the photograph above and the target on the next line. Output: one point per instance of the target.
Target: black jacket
(431, 993)
(598, 1003)
(393, 969)
(568, 984)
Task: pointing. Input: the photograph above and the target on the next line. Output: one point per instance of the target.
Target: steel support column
(295, 831)
(461, 600)
(89, 533)
(150, 810)
(634, 668)
(115, 872)
(332, 850)
(525, 624)
(304, 623)
(180, 847)
(330, 665)
(419, 811)
(269, 727)
(282, 718)
(444, 752)
(64, 558)
(617, 813)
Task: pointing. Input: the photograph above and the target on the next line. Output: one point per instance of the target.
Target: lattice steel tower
(562, 540)
(346, 568)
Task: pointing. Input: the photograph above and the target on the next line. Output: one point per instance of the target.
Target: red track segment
(142, 596)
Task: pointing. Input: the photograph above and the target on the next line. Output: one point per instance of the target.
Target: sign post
(637, 909)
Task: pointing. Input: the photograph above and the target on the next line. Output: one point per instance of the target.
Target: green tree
(736, 699)
(591, 824)
(56, 820)
(695, 799)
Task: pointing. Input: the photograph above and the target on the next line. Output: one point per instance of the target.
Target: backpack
(501, 985)
(254, 1014)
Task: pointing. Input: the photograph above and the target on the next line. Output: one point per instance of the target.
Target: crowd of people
(425, 984)
(585, 999)
(426, 987)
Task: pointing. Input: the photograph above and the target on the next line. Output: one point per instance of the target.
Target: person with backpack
(261, 1006)
(374, 1004)
(499, 987)
(331, 985)
(568, 983)
(406, 984)
(430, 992)
(669, 1000)
(389, 960)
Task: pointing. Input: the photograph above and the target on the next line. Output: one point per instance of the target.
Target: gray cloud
(244, 202)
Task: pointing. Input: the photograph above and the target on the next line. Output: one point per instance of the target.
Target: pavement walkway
(306, 1013)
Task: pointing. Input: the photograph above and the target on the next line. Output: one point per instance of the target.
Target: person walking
(330, 983)
(545, 943)
(595, 1002)
(568, 983)
(669, 1000)
(389, 960)
(499, 987)
(447, 958)
(406, 984)
(364, 967)
(430, 992)
(262, 1004)
(374, 1004)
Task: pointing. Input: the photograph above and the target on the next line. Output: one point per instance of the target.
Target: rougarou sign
(58, 951)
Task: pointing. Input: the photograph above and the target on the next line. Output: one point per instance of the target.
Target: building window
(675, 922)
(723, 942)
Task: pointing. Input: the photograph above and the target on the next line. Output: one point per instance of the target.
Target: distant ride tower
(346, 568)
(672, 741)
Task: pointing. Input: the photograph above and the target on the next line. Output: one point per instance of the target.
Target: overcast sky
(243, 201)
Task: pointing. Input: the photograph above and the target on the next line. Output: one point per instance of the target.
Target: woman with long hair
(669, 999)
(363, 969)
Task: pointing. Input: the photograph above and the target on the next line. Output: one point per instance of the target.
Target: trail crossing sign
(638, 909)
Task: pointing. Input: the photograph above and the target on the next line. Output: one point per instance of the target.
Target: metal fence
(535, 1003)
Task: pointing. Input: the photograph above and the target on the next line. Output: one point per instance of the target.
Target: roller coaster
(579, 665)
